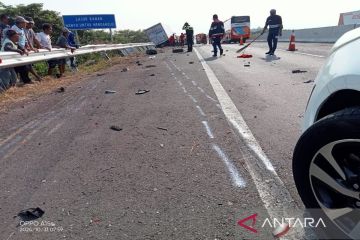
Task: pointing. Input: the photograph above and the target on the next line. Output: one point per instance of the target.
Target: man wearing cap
(20, 24)
(275, 30)
(33, 43)
(189, 36)
(62, 42)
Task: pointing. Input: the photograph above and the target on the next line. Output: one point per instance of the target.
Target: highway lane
(178, 169)
(271, 98)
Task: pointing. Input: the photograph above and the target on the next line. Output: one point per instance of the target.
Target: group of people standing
(217, 31)
(22, 39)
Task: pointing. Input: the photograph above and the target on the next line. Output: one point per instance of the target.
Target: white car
(326, 161)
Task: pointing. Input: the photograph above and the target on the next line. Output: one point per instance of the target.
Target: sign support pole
(77, 37)
(111, 36)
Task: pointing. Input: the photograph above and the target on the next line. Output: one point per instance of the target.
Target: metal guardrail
(11, 59)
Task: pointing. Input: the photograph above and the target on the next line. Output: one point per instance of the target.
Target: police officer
(189, 36)
(275, 30)
(216, 33)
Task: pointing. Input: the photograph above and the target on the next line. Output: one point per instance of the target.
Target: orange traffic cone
(292, 42)
(241, 41)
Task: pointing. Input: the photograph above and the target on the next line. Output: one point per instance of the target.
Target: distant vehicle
(157, 34)
(235, 27)
(326, 161)
(201, 38)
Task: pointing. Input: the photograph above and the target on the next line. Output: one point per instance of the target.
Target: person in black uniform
(275, 30)
(189, 36)
(216, 33)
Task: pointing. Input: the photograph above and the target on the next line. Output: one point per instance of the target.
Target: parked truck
(158, 35)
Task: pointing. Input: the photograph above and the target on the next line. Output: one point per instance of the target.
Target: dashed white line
(184, 89)
(208, 129)
(180, 83)
(194, 83)
(187, 77)
(201, 111)
(201, 90)
(237, 179)
(210, 98)
(271, 189)
(192, 98)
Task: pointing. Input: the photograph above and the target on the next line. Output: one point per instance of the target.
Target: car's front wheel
(326, 168)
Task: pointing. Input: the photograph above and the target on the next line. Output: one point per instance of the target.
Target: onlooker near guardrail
(72, 43)
(62, 42)
(4, 24)
(33, 43)
(8, 76)
(20, 24)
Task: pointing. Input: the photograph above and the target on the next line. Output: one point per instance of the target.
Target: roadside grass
(50, 84)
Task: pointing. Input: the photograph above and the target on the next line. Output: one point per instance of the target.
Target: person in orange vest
(182, 39)
(172, 40)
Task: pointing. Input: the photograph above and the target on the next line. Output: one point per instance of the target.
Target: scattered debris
(31, 214)
(109, 92)
(61, 90)
(247, 65)
(160, 128)
(298, 71)
(191, 62)
(116, 128)
(150, 66)
(245, 56)
(151, 75)
(309, 81)
(139, 64)
(139, 92)
(100, 74)
(224, 55)
(178, 50)
(151, 52)
(162, 145)
(226, 50)
(255, 116)
(125, 70)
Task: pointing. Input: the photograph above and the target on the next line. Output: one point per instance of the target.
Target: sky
(141, 14)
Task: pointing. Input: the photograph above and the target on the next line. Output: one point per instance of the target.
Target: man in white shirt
(45, 43)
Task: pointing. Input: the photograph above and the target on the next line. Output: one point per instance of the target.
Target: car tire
(339, 135)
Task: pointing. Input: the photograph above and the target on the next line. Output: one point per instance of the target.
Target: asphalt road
(179, 168)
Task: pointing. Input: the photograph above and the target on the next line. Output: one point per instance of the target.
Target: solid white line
(208, 129)
(201, 90)
(192, 98)
(201, 111)
(307, 54)
(237, 179)
(194, 83)
(272, 190)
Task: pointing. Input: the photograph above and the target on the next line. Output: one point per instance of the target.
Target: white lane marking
(175, 78)
(187, 77)
(175, 66)
(306, 54)
(271, 189)
(184, 89)
(232, 113)
(237, 179)
(183, 73)
(55, 128)
(201, 111)
(10, 235)
(172, 74)
(167, 65)
(214, 100)
(180, 83)
(192, 98)
(208, 129)
(194, 83)
(201, 90)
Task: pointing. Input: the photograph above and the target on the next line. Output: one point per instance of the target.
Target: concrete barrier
(316, 35)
